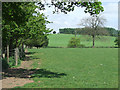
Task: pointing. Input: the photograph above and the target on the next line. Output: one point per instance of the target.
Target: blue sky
(72, 19)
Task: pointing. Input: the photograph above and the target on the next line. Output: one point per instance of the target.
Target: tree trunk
(75, 33)
(3, 55)
(16, 56)
(93, 41)
(22, 52)
(7, 53)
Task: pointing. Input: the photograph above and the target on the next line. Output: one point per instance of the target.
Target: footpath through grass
(75, 68)
(61, 40)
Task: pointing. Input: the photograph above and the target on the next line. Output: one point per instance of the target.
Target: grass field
(75, 68)
(61, 40)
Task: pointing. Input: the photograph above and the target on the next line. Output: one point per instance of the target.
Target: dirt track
(12, 81)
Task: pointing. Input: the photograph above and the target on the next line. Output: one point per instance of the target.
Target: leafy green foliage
(67, 30)
(112, 31)
(4, 64)
(54, 32)
(14, 20)
(117, 40)
(67, 6)
(18, 15)
(74, 42)
(37, 42)
(91, 31)
(36, 27)
(36, 33)
(11, 63)
(19, 24)
(109, 31)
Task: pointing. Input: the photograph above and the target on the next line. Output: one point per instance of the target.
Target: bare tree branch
(93, 26)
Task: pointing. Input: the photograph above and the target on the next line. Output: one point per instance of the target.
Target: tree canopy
(92, 7)
(19, 24)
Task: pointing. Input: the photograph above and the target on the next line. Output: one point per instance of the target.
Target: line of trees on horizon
(111, 31)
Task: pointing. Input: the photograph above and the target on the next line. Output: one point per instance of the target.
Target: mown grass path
(74, 68)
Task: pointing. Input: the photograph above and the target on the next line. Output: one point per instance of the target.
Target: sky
(72, 19)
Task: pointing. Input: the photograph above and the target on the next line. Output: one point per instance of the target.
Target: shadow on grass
(28, 53)
(27, 58)
(31, 73)
(86, 47)
(55, 47)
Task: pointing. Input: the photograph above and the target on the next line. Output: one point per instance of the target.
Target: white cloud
(56, 22)
(111, 8)
(66, 23)
(111, 14)
(72, 19)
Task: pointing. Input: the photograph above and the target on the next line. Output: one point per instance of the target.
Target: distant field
(75, 68)
(61, 40)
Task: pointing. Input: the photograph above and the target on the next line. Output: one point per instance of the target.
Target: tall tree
(36, 29)
(14, 23)
(93, 26)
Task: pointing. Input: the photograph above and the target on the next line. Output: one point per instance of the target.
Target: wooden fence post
(16, 56)
(7, 53)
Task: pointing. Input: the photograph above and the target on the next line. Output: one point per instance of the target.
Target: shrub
(74, 42)
(54, 32)
(4, 63)
(11, 63)
(37, 42)
(117, 41)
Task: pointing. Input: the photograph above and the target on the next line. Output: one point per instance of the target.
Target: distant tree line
(67, 30)
(111, 31)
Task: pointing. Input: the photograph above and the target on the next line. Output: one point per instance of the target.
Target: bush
(11, 63)
(4, 63)
(37, 42)
(74, 42)
(117, 41)
(54, 32)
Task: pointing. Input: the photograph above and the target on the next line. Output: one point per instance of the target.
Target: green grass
(61, 40)
(75, 68)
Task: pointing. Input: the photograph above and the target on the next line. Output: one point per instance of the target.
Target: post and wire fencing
(13, 55)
